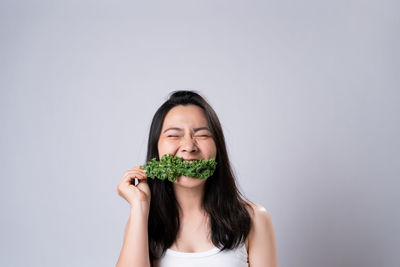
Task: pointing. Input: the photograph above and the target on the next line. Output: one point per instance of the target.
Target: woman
(192, 222)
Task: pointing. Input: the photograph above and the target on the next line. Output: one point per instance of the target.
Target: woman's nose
(188, 145)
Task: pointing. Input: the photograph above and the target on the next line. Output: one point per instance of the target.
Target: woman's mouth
(189, 159)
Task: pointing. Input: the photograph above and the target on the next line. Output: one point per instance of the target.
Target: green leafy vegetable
(172, 166)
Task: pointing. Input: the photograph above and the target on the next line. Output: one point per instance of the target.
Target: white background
(307, 93)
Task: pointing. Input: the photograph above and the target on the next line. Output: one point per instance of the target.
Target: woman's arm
(135, 249)
(262, 247)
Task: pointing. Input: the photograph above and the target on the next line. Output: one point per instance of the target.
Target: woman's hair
(229, 218)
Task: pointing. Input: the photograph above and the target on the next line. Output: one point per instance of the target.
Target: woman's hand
(135, 195)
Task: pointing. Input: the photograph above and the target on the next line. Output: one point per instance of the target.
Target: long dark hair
(225, 205)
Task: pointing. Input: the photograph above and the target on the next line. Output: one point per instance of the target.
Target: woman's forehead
(190, 115)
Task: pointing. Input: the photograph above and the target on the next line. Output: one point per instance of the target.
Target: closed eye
(195, 136)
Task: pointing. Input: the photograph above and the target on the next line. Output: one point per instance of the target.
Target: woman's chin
(187, 181)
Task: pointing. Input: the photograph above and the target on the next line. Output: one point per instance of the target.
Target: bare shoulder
(261, 239)
(257, 212)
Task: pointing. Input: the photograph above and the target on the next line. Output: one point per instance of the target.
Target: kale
(172, 166)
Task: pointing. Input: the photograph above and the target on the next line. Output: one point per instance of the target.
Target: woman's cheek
(171, 144)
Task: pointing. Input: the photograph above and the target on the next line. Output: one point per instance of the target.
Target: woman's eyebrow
(180, 129)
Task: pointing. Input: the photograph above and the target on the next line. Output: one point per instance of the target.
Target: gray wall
(307, 92)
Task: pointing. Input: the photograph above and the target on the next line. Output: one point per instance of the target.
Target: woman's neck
(189, 199)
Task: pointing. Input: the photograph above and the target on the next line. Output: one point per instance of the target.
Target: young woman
(192, 222)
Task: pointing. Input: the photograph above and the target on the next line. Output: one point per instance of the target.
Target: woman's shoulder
(257, 212)
(260, 242)
(261, 224)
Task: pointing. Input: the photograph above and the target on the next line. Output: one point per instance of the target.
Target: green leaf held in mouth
(172, 166)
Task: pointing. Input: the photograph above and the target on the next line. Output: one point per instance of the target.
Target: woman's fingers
(131, 174)
(142, 185)
(138, 170)
(129, 177)
(132, 193)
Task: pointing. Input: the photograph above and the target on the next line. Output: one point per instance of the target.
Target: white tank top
(211, 258)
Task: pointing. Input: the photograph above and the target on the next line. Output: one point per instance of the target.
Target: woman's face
(185, 133)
